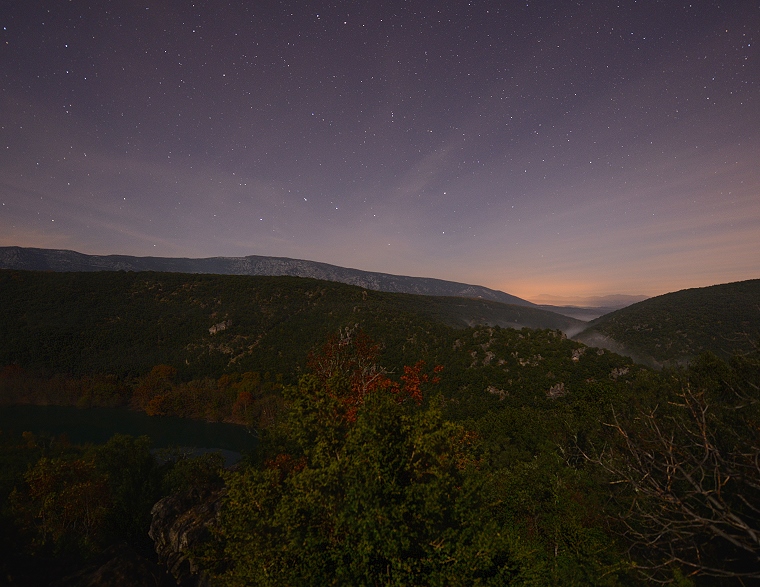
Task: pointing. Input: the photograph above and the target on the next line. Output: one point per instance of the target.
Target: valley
(479, 431)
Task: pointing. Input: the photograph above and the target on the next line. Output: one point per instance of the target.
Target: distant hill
(62, 260)
(615, 301)
(588, 308)
(126, 322)
(584, 313)
(675, 327)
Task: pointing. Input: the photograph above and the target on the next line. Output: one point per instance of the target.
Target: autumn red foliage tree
(150, 393)
(348, 367)
(413, 378)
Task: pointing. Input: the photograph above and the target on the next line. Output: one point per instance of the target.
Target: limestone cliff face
(62, 260)
(181, 523)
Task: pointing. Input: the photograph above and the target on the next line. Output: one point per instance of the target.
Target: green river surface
(97, 425)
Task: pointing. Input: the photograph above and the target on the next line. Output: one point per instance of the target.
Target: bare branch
(684, 496)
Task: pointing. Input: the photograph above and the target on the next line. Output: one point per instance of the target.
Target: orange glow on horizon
(569, 292)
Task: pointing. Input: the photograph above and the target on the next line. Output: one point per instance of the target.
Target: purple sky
(563, 148)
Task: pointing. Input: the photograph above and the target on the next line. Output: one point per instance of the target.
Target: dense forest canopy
(123, 323)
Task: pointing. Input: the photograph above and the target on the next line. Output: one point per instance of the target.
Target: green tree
(365, 487)
(134, 483)
(385, 498)
(63, 506)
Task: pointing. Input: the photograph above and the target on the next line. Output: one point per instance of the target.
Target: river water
(97, 425)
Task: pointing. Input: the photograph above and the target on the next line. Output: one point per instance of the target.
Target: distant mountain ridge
(34, 259)
(615, 301)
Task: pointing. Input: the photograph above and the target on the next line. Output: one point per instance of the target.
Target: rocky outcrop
(181, 524)
(220, 327)
(557, 390)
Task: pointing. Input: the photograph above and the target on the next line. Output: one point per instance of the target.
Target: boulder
(181, 523)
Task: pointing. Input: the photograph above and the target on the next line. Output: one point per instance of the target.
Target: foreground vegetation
(64, 506)
(369, 478)
(401, 451)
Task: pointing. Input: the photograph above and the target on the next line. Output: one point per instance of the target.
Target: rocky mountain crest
(64, 260)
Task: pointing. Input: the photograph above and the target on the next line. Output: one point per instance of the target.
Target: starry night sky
(563, 148)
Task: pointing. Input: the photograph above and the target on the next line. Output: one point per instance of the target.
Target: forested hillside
(676, 327)
(398, 443)
(125, 323)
